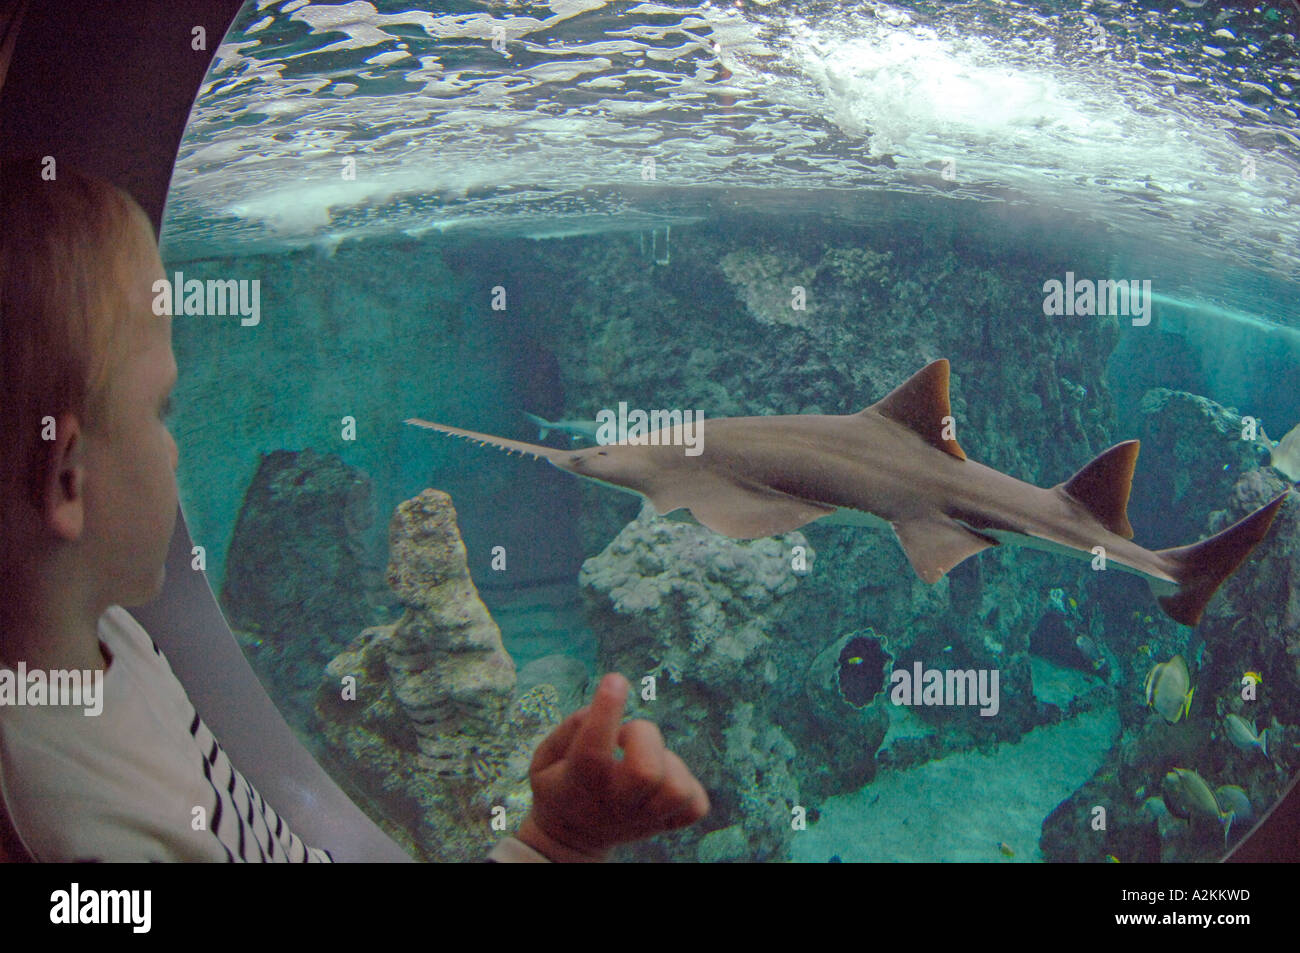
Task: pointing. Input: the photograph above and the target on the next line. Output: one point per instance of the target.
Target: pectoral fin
(934, 545)
(735, 509)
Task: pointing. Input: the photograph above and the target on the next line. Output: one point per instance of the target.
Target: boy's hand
(585, 801)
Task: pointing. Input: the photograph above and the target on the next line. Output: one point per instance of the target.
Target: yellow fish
(1112, 859)
(1169, 690)
(1007, 850)
(856, 660)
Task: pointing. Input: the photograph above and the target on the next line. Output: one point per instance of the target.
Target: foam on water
(1180, 125)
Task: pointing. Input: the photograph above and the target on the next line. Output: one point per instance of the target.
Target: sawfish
(897, 463)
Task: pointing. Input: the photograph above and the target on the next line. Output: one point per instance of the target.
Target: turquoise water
(751, 209)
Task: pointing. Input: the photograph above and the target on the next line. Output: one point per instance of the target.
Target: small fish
(1007, 849)
(574, 428)
(856, 660)
(1073, 604)
(1242, 733)
(1112, 859)
(1169, 690)
(1144, 648)
(1234, 802)
(1091, 651)
(1253, 677)
(1187, 795)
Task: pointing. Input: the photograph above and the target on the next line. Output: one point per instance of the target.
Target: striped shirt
(144, 780)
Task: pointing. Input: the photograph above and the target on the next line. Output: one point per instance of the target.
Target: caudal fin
(543, 426)
(1202, 567)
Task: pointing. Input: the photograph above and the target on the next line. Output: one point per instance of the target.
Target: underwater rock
(1253, 624)
(698, 612)
(423, 714)
(447, 667)
(297, 566)
(765, 282)
(724, 846)
(847, 699)
(684, 599)
(565, 673)
(1192, 454)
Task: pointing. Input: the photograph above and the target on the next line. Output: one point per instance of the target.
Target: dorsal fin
(921, 403)
(1102, 487)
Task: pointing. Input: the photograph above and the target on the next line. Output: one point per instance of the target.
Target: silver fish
(1242, 734)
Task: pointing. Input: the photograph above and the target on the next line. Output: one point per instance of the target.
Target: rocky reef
(696, 620)
(298, 565)
(1192, 454)
(824, 319)
(301, 576)
(422, 715)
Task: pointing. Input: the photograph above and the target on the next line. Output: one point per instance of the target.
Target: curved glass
(574, 224)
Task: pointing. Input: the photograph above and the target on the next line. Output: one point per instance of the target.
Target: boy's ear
(62, 500)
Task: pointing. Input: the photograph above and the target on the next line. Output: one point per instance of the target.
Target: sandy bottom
(961, 807)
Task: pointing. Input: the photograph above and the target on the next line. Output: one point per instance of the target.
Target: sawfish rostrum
(897, 463)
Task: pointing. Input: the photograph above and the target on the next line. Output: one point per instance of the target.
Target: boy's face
(131, 461)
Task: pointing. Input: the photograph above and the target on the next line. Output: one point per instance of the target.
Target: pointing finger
(641, 773)
(592, 751)
(555, 745)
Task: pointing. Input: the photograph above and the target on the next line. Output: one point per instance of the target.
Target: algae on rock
(422, 714)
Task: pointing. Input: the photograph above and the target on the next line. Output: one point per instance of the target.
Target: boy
(87, 508)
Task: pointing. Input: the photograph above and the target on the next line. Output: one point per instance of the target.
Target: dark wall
(97, 83)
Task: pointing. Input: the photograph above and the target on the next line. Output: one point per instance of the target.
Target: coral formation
(1193, 452)
(708, 597)
(696, 613)
(424, 712)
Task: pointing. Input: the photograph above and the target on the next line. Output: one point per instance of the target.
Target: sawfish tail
(1202, 567)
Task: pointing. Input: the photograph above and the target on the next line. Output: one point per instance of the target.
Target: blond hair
(67, 245)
